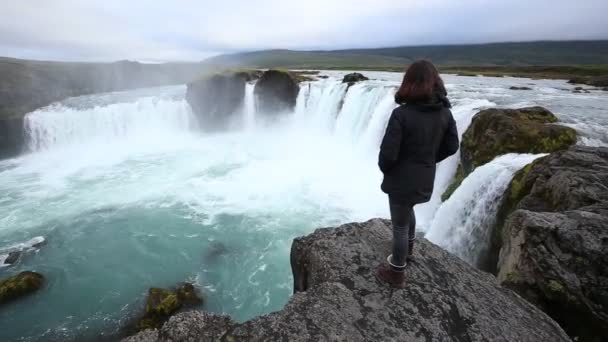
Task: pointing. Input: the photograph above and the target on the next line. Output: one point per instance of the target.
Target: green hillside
(495, 54)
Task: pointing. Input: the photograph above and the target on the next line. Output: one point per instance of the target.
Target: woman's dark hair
(421, 83)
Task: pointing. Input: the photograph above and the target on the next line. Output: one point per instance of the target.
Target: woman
(421, 132)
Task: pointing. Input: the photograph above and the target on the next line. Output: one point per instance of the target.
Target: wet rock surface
(497, 131)
(338, 298)
(161, 304)
(555, 239)
(276, 92)
(217, 98)
(20, 285)
(353, 78)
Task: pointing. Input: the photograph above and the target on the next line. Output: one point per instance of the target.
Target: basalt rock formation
(552, 234)
(216, 99)
(496, 131)
(353, 78)
(276, 92)
(338, 298)
(161, 304)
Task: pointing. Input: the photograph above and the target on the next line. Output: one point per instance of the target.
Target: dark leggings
(404, 230)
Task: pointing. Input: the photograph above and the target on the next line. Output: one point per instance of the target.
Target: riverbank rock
(353, 78)
(596, 81)
(338, 298)
(161, 304)
(520, 88)
(555, 239)
(276, 92)
(496, 131)
(216, 99)
(20, 285)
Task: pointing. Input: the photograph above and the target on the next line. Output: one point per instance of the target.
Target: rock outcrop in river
(496, 131)
(217, 98)
(338, 298)
(20, 285)
(276, 92)
(555, 239)
(353, 78)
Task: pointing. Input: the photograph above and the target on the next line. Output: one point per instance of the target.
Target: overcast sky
(151, 30)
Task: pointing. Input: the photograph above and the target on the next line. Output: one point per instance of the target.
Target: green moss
(494, 132)
(20, 285)
(512, 277)
(162, 304)
(556, 286)
(228, 338)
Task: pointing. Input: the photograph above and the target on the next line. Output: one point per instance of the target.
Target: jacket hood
(438, 101)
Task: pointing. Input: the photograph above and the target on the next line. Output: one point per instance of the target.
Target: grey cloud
(193, 30)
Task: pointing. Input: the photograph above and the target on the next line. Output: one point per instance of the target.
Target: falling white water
(360, 104)
(249, 107)
(462, 224)
(147, 118)
(319, 102)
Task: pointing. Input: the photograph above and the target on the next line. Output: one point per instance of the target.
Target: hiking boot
(387, 274)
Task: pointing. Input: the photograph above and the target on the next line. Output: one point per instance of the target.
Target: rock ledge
(338, 299)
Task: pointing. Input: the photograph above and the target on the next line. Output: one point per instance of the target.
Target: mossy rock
(494, 132)
(161, 304)
(276, 92)
(20, 285)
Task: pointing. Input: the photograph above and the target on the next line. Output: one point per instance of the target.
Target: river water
(128, 194)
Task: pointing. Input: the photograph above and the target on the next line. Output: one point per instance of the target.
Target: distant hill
(496, 54)
(304, 60)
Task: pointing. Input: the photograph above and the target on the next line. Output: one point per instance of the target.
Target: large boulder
(338, 298)
(276, 92)
(216, 98)
(20, 285)
(552, 234)
(496, 131)
(353, 78)
(161, 304)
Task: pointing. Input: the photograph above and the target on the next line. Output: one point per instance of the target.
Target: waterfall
(360, 105)
(249, 107)
(148, 117)
(463, 223)
(319, 102)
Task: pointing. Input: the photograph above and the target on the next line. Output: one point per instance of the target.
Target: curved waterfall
(463, 223)
(145, 118)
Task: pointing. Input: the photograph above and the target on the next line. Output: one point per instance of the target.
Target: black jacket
(417, 137)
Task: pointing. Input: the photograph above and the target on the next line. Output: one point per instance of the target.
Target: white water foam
(19, 247)
(148, 118)
(462, 224)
